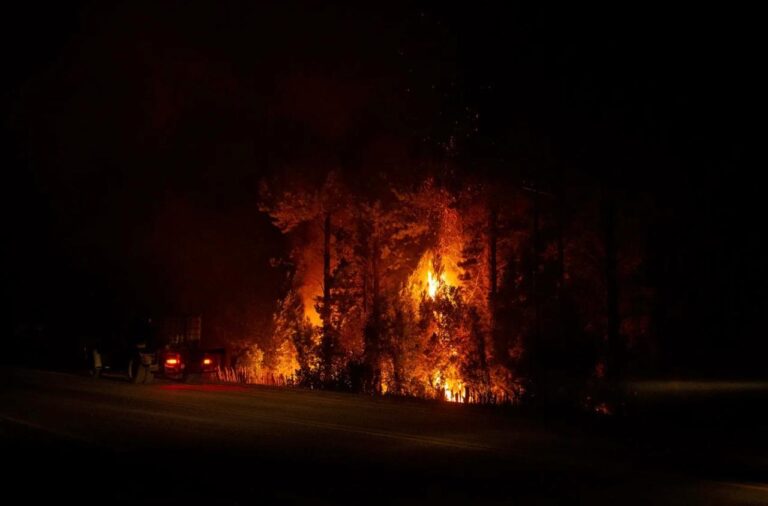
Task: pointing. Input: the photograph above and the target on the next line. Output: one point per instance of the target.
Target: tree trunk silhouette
(535, 268)
(493, 238)
(325, 314)
(560, 251)
(614, 357)
(375, 332)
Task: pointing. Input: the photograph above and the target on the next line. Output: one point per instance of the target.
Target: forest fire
(383, 252)
(429, 292)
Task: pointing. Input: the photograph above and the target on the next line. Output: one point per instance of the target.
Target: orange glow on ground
(205, 388)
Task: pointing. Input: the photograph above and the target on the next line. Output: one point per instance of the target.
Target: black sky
(136, 135)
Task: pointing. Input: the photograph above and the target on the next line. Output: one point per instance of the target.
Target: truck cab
(169, 347)
(129, 353)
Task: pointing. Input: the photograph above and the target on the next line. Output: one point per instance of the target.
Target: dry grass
(248, 376)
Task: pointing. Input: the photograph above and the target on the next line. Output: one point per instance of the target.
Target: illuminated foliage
(469, 295)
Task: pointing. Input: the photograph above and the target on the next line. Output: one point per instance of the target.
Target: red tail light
(207, 361)
(171, 361)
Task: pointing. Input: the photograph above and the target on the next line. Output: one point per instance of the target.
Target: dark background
(135, 136)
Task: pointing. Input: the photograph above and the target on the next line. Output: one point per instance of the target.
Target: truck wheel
(136, 371)
(141, 375)
(95, 364)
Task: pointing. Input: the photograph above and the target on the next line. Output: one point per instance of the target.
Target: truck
(168, 347)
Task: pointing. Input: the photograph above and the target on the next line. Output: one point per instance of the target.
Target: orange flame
(432, 284)
(425, 281)
(452, 390)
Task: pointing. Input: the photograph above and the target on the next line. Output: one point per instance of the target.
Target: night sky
(135, 136)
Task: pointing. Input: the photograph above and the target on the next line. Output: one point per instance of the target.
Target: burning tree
(465, 293)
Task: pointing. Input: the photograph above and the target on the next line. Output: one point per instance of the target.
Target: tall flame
(432, 284)
(425, 280)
